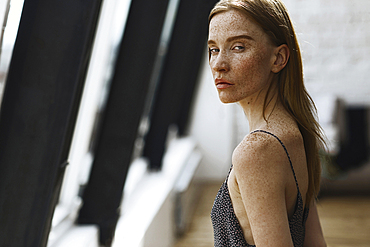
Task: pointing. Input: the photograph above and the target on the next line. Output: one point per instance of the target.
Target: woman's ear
(281, 58)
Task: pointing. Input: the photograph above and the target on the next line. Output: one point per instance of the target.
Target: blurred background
(112, 133)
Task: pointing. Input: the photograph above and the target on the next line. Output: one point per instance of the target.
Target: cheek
(210, 63)
(256, 66)
(249, 67)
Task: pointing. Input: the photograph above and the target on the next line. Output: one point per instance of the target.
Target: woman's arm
(314, 236)
(261, 184)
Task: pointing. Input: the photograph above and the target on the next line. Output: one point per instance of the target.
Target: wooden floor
(345, 220)
(200, 232)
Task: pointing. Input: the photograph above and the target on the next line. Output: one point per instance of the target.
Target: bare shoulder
(257, 156)
(257, 146)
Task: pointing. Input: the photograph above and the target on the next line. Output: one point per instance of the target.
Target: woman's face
(241, 56)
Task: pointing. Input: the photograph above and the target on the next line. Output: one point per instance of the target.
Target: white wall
(335, 41)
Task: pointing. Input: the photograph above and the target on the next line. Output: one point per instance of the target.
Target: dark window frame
(38, 112)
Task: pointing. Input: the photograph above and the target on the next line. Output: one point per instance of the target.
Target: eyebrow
(233, 38)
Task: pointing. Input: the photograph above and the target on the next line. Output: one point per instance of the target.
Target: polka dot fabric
(226, 227)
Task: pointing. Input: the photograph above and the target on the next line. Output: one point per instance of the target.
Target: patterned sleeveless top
(226, 227)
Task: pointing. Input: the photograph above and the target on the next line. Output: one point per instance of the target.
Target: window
(111, 24)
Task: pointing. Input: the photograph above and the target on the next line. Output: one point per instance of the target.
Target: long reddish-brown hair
(272, 16)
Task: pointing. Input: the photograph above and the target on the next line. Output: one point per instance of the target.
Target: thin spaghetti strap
(286, 151)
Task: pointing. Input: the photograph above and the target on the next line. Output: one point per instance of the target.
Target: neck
(254, 107)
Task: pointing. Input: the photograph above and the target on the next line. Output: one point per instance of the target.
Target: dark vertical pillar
(103, 193)
(175, 92)
(38, 113)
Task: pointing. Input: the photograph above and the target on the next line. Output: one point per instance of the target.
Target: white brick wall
(335, 41)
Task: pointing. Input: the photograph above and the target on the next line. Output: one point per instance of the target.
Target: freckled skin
(261, 183)
(246, 63)
(259, 158)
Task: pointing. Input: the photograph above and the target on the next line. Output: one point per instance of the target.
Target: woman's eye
(213, 50)
(238, 48)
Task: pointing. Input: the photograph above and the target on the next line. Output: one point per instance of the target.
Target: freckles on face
(241, 54)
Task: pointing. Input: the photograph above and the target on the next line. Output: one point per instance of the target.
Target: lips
(223, 84)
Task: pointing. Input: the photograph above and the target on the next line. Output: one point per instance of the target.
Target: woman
(268, 198)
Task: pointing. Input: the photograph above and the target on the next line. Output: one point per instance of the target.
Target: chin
(227, 97)
(227, 100)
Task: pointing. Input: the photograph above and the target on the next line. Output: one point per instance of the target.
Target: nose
(220, 63)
